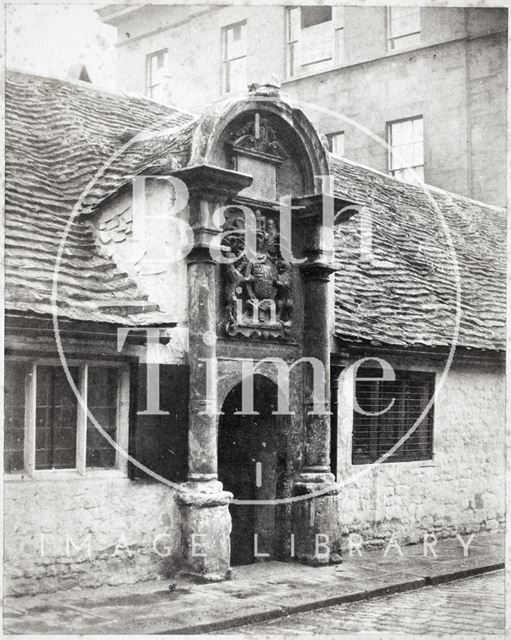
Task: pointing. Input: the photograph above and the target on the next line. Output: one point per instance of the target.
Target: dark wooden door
(246, 442)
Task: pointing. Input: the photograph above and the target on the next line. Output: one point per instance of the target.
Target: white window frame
(392, 150)
(225, 60)
(293, 45)
(331, 137)
(150, 85)
(394, 42)
(120, 469)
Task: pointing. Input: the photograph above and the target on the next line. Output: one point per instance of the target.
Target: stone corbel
(318, 214)
(209, 188)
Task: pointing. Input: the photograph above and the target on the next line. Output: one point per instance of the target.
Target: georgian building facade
(430, 81)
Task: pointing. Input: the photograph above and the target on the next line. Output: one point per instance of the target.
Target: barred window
(56, 418)
(14, 415)
(386, 409)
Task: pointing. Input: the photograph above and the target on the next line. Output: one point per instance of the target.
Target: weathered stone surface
(459, 491)
(316, 525)
(205, 530)
(257, 592)
(133, 528)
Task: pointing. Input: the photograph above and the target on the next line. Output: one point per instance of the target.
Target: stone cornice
(310, 207)
(210, 180)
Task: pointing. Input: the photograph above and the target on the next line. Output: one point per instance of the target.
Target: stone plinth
(205, 530)
(315, 521)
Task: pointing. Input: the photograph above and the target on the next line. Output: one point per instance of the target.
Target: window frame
(291, 45)
(391, 149)
(429, 378)
(226, 61)
(392, 40)
(120, 469)
(331, 137)
(150, 87)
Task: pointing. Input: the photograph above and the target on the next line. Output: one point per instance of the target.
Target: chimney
(79, 72)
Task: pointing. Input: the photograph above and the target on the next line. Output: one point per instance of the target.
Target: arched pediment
(267, 137)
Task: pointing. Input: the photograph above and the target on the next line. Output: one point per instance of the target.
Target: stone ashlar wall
(456, 79)
(461, 490)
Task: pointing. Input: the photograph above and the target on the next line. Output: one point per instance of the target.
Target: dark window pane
(315, 15)
(397, 404)
(103, 385)
(56, 414)
(14, 407)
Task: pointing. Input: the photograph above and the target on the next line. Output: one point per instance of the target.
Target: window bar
(81, 431)
(52, 419)
(374, 433)
(30, 417)
(339, 45)
(123, 409)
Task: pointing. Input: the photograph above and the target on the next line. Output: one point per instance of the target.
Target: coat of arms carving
(257, 289)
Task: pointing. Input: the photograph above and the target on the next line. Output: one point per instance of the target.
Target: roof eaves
(424, 185)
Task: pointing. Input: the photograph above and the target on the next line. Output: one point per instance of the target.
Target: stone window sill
(414, 464)
(66, 475)
(338, 66)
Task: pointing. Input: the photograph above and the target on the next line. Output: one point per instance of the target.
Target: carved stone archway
(215, 127)
(258, 133)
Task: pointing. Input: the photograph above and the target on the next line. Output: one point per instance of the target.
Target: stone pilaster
(205, 518)
(202, 455)
(317, 345)
(316, 517)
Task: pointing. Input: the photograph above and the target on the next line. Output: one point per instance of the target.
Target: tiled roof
(59, 134)
(402, 289)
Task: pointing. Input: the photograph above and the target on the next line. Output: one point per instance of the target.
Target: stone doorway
(252, 465)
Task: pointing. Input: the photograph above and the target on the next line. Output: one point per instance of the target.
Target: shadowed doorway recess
(252, 465)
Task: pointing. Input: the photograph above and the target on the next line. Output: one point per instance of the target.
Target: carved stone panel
(257, 292)
(264, 185)
(253, 148)
(257, 137)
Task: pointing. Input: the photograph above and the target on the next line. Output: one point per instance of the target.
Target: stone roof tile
(418, 241)
(59, 134)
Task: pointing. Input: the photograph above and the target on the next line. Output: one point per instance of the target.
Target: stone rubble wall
(123, 518)
(460, 491)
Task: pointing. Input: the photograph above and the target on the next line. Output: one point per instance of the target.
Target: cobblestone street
(470, 606)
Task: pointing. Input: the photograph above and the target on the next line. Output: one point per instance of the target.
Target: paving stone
(259, 592)
(469, 606)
